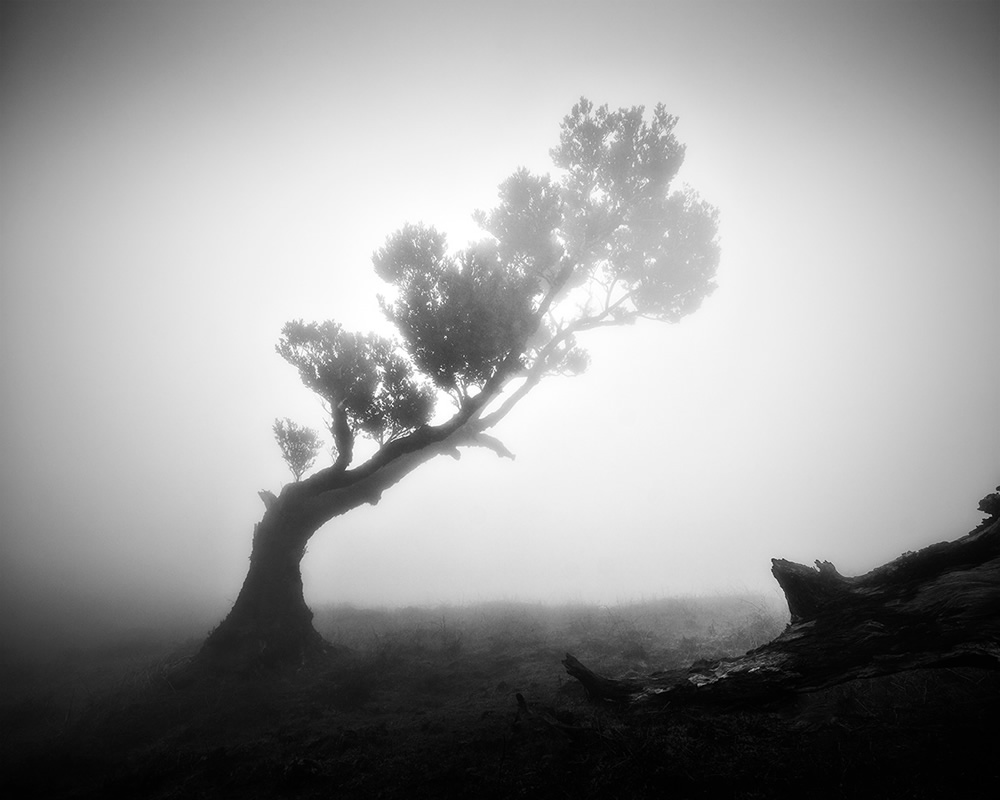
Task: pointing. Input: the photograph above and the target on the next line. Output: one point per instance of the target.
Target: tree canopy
(605, 242)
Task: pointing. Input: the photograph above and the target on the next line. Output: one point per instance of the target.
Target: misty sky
(179, 179)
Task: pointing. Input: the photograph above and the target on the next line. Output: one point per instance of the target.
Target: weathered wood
(939, 607)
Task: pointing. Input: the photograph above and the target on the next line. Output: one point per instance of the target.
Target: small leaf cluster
(299, 445)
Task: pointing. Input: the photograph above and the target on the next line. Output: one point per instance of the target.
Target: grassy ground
(422, 703)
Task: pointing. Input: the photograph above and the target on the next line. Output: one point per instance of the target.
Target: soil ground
(423, 703)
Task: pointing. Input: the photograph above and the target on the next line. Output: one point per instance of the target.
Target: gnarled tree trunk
(938, 607)
(270, 622)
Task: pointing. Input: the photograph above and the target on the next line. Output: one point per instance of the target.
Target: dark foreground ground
(422, 703)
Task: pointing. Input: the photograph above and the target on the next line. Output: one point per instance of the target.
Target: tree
(299, 445)
(606, 243)
(938, 607)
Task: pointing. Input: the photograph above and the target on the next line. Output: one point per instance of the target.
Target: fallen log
(938, 607)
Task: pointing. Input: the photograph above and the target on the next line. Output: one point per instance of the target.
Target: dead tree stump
(938, 607)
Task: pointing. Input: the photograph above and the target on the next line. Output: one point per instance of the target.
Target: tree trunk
(270, 622)
(939, 607)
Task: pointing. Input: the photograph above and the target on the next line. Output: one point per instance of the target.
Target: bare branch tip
(494, 444)
(268, 498)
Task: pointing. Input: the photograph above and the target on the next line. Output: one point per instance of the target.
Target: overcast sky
(179, 179)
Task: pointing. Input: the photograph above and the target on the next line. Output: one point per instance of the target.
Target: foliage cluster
(604, 243)
(299, 445)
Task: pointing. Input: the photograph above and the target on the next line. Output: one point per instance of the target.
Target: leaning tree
(606, 243)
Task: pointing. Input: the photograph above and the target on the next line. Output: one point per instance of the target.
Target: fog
(178, 180)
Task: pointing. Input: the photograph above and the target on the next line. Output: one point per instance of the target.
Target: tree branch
(366, 484)
(480, 439)
(530, 383)
(537, 370)
(432, 437)
(267, 498)
(343, 436)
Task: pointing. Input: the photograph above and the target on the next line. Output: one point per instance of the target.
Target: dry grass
(421, 703)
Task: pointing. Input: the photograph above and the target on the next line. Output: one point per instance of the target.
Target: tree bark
(939, 607)
(270, 622)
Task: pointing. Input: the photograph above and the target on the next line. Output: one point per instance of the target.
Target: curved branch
(366, 488)
(480, 439)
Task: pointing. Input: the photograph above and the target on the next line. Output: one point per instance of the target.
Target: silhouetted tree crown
(605, 243)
